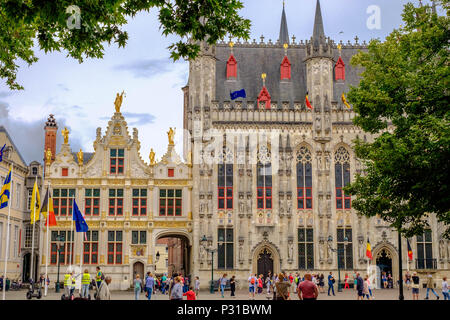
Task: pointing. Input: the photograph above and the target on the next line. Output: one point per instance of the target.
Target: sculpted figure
(118, 101)
(152, 157)
(48, 155)
(65, 134)
(80, 157)
(171, 135)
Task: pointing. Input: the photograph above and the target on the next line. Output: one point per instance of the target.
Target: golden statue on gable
(152, 157)
(118, 101)
(65, 134)
(171, 135)
(48, 155)
(80, 157)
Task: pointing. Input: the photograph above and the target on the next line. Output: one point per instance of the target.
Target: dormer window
(34, 171)
(264, 99)
(285, 69)
(116, 158)
(231, 68)
(339, 70)
(170, 173)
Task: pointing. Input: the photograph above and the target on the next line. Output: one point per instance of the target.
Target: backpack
(252, 281)
(102, 276)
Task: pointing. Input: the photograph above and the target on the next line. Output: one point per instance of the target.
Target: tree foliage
(83, 27)
(403, 99)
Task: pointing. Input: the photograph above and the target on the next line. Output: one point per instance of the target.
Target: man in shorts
(359, 286)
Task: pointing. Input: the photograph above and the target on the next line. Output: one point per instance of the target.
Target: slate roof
(86, 156)
(253, 59)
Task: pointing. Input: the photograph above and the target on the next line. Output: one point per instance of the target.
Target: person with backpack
(331, 282)
(137, 286)
(251, 287)
(282, 288)
(99, 277)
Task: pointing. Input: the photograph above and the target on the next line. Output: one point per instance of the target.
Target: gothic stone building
(269, 171)
(261, 184)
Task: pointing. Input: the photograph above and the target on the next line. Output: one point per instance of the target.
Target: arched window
(225, 180)
(304, 179)
(342, 177)
(264, 179)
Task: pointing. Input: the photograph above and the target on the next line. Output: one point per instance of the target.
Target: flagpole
(72, 237)
(81, 251)
(8, 232)
(32, 240)
(46, 253)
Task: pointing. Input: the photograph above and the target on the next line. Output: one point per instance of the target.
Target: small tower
(51, 129)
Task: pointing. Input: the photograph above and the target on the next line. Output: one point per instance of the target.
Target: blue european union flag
(1, 152)
(80, 223)
(237, 94)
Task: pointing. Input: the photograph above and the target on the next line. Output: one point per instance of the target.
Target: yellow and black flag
(35, 205)
(6, 189)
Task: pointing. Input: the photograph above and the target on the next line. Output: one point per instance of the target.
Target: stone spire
(284, 34)
(318, 32)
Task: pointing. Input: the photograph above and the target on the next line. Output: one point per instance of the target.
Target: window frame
(116, 158)
(139, 198)
(174, 205)
(226, 188)
(116, 199)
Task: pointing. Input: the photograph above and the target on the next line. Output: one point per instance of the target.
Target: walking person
(331, 282)
(282, 287)
(223, 283)
(233, 286)
(99, 277)
(137, 287)
(407, 280)
(322, 283)
(260, 284)
(346, 286)
(104, 293)
(67, 284)
(149, 285)
(251, 287)
(430, 286)
(197, 286)
(85, 281)
(268, 283)
(360, 287)
(176, 293)
(415, 286)
(274, 289)
(307, 289)
(366, 292)
(445, 289)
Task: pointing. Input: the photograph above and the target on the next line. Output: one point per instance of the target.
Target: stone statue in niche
(322, 244)
(201, 253)
(318, 124)
(327, 161)
(442, 249)
(241, 206)
(290, 249)
(241, 251)
(327, 123)
(361, 248)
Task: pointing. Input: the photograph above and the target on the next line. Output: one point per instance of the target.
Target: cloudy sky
(81, 96)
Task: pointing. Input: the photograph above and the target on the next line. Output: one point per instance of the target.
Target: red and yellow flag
(308, 104)
(369, 250)
(410, 253)
(47, 210)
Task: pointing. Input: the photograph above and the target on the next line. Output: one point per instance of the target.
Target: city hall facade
(260, 181)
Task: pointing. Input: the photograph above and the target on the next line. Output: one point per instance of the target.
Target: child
(190, 294)
(197, 285)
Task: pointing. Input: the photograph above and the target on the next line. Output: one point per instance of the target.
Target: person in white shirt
(445, 289)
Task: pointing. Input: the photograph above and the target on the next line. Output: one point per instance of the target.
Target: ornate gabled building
(128, 204)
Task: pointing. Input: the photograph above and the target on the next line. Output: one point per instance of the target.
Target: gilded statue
(80, 157)
(118, 101)
(152, 157)
(171, 135)
(48, 155)
(189, 158)
(65, 134)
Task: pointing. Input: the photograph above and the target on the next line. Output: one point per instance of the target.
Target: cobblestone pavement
(347, 294)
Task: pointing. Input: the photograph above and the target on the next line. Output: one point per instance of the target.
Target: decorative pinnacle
(263, 76)
(339, 46)
(231, 44)
(285, 46)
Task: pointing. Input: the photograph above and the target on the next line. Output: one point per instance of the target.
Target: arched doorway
(265, 259)
(138, 268)
(26, 267)
(174, 254)
(265, 263)
(384, 263)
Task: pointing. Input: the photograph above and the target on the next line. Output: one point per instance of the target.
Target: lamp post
(59, 239)
(210, 249)
(339, 251)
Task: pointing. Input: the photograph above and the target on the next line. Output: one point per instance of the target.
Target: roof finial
(285, 46)
(263, 76)
(339, 46)
(284, 34)
(318, 32)
(231, 44)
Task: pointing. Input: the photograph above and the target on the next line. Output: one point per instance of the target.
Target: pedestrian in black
(233, 286)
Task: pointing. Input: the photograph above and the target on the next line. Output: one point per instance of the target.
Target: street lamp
(60, 240)
(157, 256)
(204, 241)
(339, 252)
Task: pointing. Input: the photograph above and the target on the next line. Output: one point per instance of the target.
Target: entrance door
(384, 262)
(138, 268)
(265, 263)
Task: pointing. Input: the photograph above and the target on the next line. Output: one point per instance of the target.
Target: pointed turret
(318, 32)
(284, 34)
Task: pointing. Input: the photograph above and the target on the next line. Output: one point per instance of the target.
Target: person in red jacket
(190, 294)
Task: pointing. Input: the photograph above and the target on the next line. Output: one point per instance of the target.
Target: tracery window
(342, 178)
(225, 181)
(304, 179)
(264, 179)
